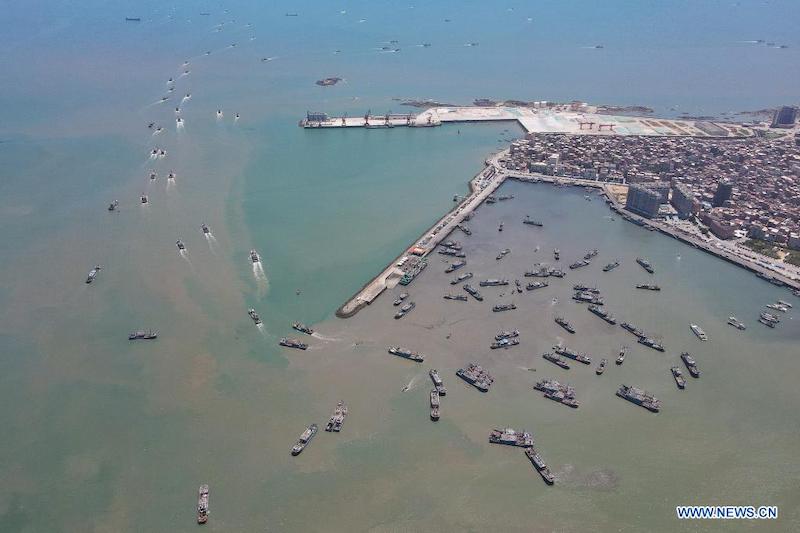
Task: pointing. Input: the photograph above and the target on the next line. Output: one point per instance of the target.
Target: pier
(481, 187)
(574, 119)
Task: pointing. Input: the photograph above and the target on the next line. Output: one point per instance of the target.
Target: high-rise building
(643, 201)
(683, 200)
(723, 194)
(784, 117)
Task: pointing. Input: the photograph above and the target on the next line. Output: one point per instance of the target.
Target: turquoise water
(104, 435)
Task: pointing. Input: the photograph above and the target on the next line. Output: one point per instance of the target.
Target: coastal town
(736, 188)
(715, 192)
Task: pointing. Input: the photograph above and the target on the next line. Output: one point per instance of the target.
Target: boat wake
(261, 278)
(212, 242)
(322, 337)
(411, 384)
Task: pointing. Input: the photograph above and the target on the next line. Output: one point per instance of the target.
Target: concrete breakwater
(481, 187)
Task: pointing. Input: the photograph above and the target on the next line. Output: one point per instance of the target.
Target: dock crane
(609, 126)
(366, 117)
(587, 123)
(343, 120)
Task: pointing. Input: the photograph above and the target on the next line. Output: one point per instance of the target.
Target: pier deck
(481, 186)
(562, 119)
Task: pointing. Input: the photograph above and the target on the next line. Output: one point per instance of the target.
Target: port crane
(609, 126)
(366, 117)
(587, 123)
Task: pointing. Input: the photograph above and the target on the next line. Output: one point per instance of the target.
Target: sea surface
(101, 434)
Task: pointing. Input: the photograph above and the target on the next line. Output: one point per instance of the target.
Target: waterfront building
(784, 117)
(723, 193)
(662, 188)
(683, 200)
(643, 201)
(317, 117)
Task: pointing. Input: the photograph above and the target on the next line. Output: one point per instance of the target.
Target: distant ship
(699, 332)
(532, 222)
(400, 298)
(648, 287)
(202, 504)
(621, 356)
(639, 397)
(142, 335)
(404, 310)
(437, 382)
(93, 274)
(435, 403)
(691, 364)
(180, 245)
(476, 376)
(205, 229)
(113, 205)
(460, 278)
(254, 256)
(493, 282)
(305, 438)
(473, 292)
(608, 317)
(540, 466)
(336, 421)
(455, 266)
(511, 437)
(561, 321)
(406, 354)
(504, 343)
(645, 264)
(254, 316)
(601, 367)
(292, 343)
(680, 381)
(302, 328)
(536, 285)
(575, 356)
(556, 360)
(611, 266)
(735, 322)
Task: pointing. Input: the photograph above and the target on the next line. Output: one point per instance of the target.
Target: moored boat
(691, 364)
(735, 322)
(511, 437)
(680, 381)
(540, 466)
(639, 397)
(337, 420)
